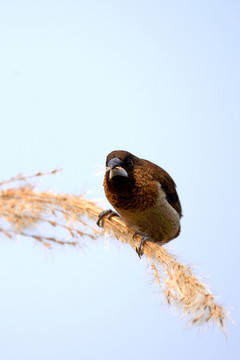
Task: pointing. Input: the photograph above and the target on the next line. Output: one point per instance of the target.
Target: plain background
(79, 79)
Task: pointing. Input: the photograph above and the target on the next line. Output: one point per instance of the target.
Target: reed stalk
(22, 209)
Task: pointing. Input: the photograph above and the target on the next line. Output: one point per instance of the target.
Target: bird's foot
(106, 213)
(144, 238)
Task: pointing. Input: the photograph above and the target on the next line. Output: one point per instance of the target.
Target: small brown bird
(144, 195)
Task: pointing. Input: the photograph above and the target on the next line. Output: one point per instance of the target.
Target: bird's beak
(115, 168)
(117, 171)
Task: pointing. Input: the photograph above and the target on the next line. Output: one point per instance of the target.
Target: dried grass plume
(22, 209)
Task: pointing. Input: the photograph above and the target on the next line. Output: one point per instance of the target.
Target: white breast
(161, 221)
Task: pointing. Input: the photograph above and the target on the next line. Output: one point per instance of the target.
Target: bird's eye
(129, 163)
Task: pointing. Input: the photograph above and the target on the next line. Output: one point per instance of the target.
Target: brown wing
(168, 185)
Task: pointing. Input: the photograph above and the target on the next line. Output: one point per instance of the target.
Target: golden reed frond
(22, 209)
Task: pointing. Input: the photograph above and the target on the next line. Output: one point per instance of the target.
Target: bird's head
(120, 164)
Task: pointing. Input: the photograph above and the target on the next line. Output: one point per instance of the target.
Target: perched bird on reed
(144, 195)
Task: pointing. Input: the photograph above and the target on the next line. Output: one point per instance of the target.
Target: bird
(144, 195)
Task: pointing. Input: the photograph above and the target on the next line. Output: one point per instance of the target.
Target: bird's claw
(144, 238)
(106, 213)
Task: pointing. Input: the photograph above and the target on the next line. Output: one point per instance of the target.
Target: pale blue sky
(79, 79)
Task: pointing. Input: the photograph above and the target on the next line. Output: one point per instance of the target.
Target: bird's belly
(161, 222)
